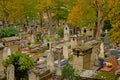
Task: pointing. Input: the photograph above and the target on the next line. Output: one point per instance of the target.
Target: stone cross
(10, 72)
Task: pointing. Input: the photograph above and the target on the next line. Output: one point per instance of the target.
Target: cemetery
(86, 55)
(59, 40)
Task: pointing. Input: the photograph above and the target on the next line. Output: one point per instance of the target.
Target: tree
(60, 11)
(21, 62)
(68, 72)
(82, 14)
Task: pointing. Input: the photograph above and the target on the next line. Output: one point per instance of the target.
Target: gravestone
(66, 33)
(65, 52)
(101, 54)
(73, 41)
(10, 72)
(50, 59)
(1, 57)
(32, 76)
(32, 39)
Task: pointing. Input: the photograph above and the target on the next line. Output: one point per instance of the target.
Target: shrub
(106, 76)
(8, 32)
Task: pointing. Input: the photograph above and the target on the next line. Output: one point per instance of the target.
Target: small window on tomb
(66, 28)
(73, 39)
(78, 53)
(90, 29)
(85, 30)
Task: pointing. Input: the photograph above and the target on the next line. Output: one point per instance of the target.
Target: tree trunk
(5, 18)
(41, 19)
(98, 23)
(49, 14)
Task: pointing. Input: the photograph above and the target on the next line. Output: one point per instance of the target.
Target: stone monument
(1, 57)
(10, 72)
(82, 57)
(73, 41)
(65, 51)
(50, 58)
(66, 33)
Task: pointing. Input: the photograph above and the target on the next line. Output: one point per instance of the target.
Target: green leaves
(20, 61)
(8, 32)
(106, 76)
(68, 72)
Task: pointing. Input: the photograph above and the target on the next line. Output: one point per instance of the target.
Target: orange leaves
(45, 3)
(73, 16)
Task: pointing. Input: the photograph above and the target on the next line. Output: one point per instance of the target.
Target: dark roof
(88, 45)
(85, 47)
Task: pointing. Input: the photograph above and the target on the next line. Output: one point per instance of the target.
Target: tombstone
(65, 52)
(1, 57)
(101, 54)
(73, 42)
(32, 76)
(66, 33)
(5, 53)
(82, 57)
(10, 72)
(50, 59)
(32, 39)
(59, 51)
(95, 52)
(8, 52)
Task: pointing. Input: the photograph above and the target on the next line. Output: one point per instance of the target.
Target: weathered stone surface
(1, 57)
(10, 39)
(10, 72)
(66, 33)
(65, 52)
(82, 56)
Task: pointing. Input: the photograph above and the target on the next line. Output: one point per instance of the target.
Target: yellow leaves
(114, 33)
(44, 4)
(111, 3)
(73, 16)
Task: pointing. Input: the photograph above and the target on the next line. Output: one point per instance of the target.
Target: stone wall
(39, 73)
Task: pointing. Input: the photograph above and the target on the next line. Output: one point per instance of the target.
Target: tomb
(11, 43)
(82, 58)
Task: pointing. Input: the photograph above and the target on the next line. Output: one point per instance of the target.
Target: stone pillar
(50, 59)
(73, 42)
(1, 57)
(59, 71)
(66, 33)
(65, 52)
(31, 76)
(10, 72)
